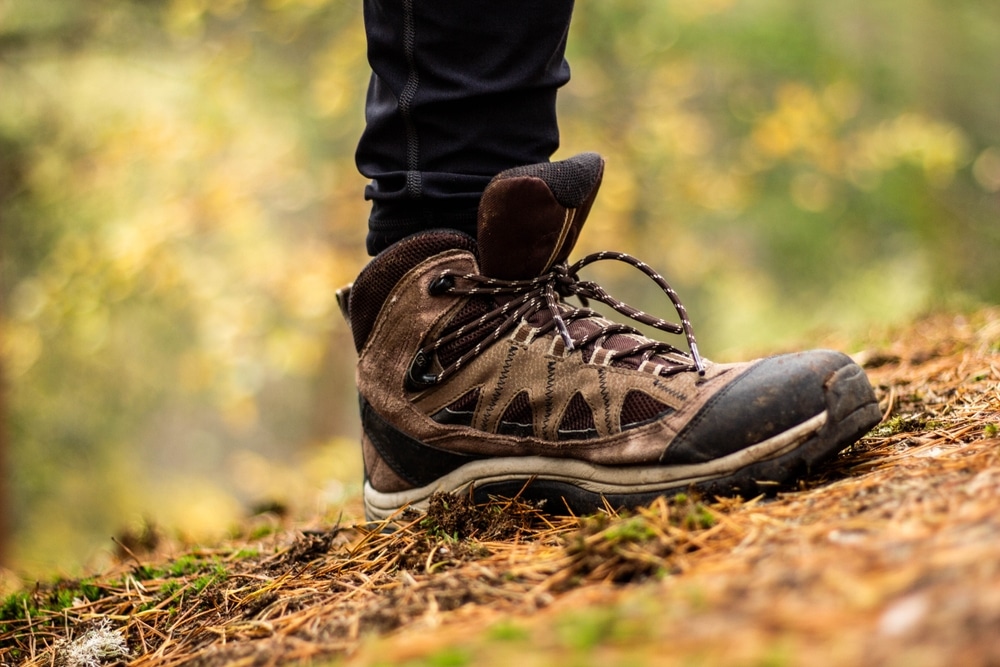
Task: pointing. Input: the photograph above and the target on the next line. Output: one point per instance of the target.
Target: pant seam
(414, 185)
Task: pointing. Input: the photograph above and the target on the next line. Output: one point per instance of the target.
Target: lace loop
(521, 299)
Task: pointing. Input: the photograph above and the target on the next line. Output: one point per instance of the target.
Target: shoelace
(547, 291)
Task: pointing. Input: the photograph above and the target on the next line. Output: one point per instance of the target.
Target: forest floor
(890, 555)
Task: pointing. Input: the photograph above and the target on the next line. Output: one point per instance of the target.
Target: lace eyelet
(441, 285)
(417, 376)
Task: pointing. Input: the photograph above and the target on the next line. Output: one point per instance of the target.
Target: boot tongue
(529, 220)
(530, 217)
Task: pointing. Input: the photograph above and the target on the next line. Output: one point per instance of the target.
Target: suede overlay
(521, 225)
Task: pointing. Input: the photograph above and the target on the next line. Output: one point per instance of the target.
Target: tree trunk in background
(4, 486)
(4, 443)
(11, 183)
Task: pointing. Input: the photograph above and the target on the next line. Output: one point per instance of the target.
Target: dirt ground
(888, 556)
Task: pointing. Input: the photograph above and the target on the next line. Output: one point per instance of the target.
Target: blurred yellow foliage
(179, 202)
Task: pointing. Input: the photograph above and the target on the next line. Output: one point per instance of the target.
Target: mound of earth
(888, 556)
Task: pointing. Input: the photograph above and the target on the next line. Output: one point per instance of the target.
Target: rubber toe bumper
(775, 395)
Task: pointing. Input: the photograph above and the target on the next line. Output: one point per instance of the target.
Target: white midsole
(592, 477)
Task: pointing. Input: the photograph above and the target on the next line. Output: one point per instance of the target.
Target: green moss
(508, 631)
(201, 583)
(146, 572)
(698, 518)
(899, 424)
(588, 629)
(184, 565)
(448, 657)
(169, 588)
(90, 590)
(218, 573)
(63, 599)
(634, 529)
(16, 605)
(55, 597)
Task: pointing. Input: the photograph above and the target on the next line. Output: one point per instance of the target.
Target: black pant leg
(459, 92)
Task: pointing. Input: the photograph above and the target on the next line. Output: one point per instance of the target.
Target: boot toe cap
(773, 396)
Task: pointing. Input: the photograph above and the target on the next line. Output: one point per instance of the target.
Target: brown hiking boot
(475, 371)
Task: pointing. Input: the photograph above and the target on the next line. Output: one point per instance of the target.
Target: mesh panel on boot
(615, 342)
(639, 408)
(518, 419)
(578, 421)
(376, 281)
(571, 181)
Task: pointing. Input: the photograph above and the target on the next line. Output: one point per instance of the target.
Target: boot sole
(577, 487)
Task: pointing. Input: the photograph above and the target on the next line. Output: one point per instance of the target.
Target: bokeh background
(178, 203)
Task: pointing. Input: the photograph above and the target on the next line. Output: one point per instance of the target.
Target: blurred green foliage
(178, 202)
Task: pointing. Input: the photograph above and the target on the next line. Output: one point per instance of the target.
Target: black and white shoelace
(524, 298)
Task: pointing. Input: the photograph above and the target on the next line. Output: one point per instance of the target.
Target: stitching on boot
(501, 383)
(602, 380)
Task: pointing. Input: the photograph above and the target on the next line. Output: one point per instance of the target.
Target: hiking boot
(478, 374)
